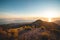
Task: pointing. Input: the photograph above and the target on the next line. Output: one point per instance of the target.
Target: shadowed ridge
(37, 23)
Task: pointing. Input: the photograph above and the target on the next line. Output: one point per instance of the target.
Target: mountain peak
(37, 23)
(38, 20)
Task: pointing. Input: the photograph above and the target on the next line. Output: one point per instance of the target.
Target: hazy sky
(28, 8)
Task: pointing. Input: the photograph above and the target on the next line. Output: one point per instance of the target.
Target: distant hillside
(57, 22)
(37, 30)
(36, 24)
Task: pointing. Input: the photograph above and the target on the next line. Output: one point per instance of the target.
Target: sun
(49, 16)
(49, 13)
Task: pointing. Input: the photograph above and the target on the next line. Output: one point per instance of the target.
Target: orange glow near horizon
(50, 13)
(49, 20)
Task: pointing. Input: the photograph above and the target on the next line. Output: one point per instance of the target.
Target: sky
(29, 8)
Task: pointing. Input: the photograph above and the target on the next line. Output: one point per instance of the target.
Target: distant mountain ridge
(57, 22)
(36, 23)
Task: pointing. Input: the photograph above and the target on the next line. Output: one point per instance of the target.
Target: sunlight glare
(49, 20)
(50, 13)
